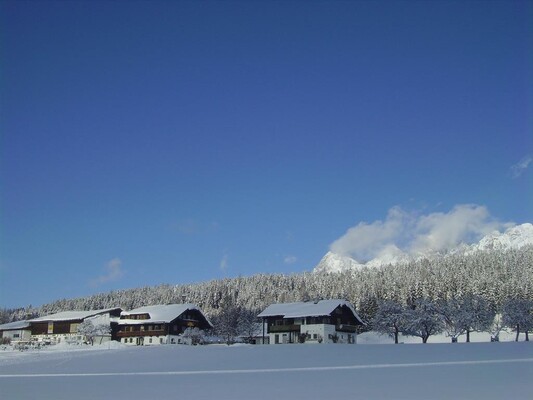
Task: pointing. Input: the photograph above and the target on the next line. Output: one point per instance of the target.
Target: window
(16, 335)
(160, 340)
(150, 340)
(315, 336)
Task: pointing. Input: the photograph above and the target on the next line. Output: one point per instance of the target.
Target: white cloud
(365, 241)
(290, 260)
(465, 223)
(520, 167)
(224, 263)
(113, 272)
(411, 233)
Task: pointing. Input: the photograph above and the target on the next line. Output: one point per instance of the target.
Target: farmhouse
(320, 321)
(160, 324)
(63, 326)
(16, 332)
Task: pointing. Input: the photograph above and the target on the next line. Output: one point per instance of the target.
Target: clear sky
(177, 142)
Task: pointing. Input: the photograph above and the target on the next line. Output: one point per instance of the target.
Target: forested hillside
(494, 275)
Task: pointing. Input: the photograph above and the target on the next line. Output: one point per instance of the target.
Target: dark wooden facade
(188, 319)
(69, 326)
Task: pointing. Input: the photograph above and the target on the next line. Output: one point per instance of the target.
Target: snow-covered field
(408, 371)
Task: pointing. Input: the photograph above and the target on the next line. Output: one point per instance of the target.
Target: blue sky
(176, 142)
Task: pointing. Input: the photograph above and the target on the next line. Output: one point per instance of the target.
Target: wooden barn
(63, 326)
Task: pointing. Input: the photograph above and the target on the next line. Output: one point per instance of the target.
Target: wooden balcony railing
(283, 328)
(122, 334)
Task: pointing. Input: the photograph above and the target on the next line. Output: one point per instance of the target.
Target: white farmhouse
(320, 321)
(160, 324)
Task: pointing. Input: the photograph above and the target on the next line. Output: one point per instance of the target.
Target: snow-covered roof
(306, 309)
(11, 326)
(158, 314)
(72, 315)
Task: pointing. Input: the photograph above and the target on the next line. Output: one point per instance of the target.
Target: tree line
(494, 278)
(454, 317)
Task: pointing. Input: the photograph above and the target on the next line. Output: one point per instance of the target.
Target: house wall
(315, 333)
(155, 340)
(58, 338)
(16, 335)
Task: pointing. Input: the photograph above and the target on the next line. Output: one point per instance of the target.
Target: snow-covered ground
(506, 335)
(431, 371)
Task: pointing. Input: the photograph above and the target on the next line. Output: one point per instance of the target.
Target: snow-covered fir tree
(492, 275)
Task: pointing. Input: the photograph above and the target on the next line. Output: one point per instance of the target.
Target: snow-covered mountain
(513, 238)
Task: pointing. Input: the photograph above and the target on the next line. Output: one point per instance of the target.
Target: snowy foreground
(405, 371)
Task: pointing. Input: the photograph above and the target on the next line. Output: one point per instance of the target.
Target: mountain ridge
(514, 237)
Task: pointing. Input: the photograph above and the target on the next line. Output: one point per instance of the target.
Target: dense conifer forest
(497, 276)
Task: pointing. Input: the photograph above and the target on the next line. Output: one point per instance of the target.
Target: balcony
(345, 328)
(123, 334)
(283, 328)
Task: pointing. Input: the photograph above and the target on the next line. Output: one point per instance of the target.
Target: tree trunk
(517, 332)
(468, 336)
(527, 336)
(425, 339)
(396, 336)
